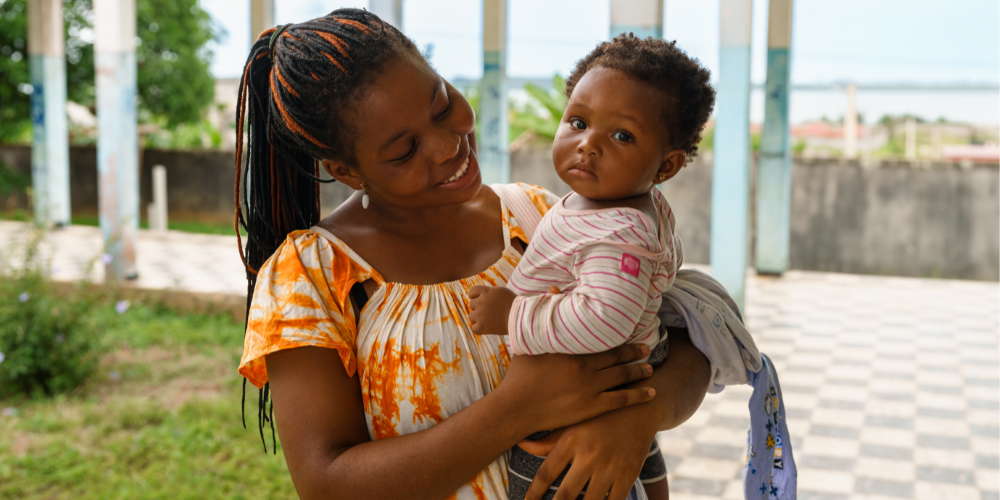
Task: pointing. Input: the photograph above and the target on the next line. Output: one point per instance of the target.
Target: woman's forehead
(397, 97)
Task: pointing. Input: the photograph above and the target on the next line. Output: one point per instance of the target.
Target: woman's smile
(464, 175)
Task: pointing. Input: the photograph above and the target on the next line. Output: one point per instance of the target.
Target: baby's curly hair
(688, 96)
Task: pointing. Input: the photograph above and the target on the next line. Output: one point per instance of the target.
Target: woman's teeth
(461, 172)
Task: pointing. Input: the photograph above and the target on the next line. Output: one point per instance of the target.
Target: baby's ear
(672, 163)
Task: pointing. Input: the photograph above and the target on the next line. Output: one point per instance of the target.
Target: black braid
(295, 94)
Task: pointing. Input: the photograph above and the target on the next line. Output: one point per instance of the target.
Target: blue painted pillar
(50, 135)
(390, 11)
(117, 142)
(774, 173)
(493, 140)
(643, 18)
(731, 167)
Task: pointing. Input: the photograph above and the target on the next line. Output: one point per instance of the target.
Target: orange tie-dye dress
(413, 346)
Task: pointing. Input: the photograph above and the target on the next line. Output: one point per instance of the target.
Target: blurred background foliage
(175, 84)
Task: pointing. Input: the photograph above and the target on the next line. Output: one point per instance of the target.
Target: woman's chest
(419, 362)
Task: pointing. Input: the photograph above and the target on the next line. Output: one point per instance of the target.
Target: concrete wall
(892, 218)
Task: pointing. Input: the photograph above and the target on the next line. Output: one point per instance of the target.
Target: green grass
(159, 419)
(186, 226)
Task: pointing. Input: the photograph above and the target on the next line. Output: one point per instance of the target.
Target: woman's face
(415, 140)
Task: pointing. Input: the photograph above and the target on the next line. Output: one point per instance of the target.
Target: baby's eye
(578, 124)
(622, 136)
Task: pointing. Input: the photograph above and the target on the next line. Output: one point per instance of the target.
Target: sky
(861, 41)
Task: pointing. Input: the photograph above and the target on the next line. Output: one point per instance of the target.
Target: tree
(175, 84)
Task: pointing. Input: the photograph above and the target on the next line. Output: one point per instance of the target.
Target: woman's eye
(622, 136)
(447, 109)
(408, 154)
(578, 124)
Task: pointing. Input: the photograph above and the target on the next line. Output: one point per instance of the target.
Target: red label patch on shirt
(630, 264)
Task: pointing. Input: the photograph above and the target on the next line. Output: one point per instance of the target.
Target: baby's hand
(490, 307)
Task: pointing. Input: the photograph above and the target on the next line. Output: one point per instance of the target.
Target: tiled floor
(891, 385)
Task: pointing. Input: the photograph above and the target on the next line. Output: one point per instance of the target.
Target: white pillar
(50, 135)
(774, 172)
(492, 140)
(731, 165)
(157, 211)
(643, 18)
(261, 18)
(851, 124)
(390, 11)
(911, 138)
(117, 142)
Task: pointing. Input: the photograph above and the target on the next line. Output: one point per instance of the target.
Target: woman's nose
(446, 146)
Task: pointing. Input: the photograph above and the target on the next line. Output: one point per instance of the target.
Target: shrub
(48, 346)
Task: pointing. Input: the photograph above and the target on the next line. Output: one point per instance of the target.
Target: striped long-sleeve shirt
(612, 266)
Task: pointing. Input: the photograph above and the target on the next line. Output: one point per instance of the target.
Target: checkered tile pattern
(890, 385)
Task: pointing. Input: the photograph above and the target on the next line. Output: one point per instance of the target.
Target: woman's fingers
(614, 400)
(574, 482)
(623, 374)
(547, 474)
(598, 488)
(618, 356)
(620, 490)
(541, 447)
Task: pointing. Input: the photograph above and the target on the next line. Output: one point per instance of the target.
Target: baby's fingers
(477, 291)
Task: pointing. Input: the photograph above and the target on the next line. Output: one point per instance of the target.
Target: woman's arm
(320, 418)
(681, 381)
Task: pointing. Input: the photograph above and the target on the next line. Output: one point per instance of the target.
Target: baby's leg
(657, 490)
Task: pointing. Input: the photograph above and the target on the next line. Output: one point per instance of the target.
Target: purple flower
(24, 297)
(122, 306)
(1, 357)
(9, 412)
(106, 258)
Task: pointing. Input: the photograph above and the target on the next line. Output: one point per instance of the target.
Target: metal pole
(493, 139)
(774, 173)
(50, 135)
(643, 18)
(851, 124)
(261, 18)
(390, 11)
(731, 168)
(117, 141)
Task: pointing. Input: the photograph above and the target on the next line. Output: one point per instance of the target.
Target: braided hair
(296, 90)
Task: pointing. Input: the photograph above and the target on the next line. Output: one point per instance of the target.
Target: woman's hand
(556, 390)
(489, 309)
(588, 446)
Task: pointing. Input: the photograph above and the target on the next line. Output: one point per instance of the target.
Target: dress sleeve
(301, 299)
(614, 292)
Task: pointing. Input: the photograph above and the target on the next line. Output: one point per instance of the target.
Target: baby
(634, 118)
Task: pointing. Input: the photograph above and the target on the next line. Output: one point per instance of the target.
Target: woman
(359, 323)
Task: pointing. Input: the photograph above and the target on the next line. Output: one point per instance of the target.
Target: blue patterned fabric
(770, 466)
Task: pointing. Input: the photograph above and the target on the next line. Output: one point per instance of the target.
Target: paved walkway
(891, 384)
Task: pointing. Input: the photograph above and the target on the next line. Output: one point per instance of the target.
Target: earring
(364, 197)
(661, 178)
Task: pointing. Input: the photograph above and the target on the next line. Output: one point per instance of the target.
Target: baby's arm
(601, 313)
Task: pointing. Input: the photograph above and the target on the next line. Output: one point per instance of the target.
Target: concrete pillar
(644, 18)
(390, 11)
(731, 167)
(851, 124)
(774, 173)
(261, 18)
(50, 135)
(156, 213)
(493, 139)
(911, 138)
(117, 141)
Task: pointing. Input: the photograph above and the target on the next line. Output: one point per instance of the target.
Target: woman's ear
(344, 175)
(672, 163)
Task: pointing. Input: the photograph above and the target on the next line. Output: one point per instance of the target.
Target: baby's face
(611, 142)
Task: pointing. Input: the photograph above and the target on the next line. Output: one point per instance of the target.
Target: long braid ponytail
(296, 86)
